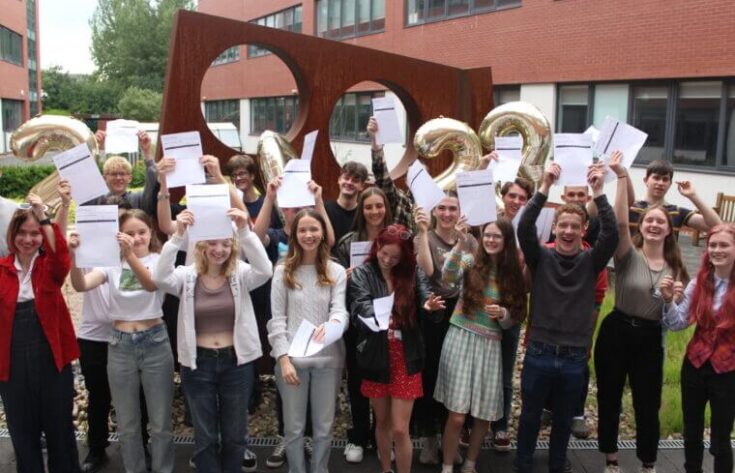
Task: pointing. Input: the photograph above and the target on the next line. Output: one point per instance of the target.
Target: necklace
(654, 290)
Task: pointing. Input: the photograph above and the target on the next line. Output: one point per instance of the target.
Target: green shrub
(138, 174)
(16, 181)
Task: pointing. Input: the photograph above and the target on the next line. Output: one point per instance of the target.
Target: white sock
(447, 468)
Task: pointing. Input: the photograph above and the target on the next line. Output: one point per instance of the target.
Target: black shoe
(96, 459)
(148, 459)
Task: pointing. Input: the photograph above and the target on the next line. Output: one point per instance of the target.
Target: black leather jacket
(366, 284)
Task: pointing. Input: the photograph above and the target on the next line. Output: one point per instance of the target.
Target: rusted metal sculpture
(323, 71)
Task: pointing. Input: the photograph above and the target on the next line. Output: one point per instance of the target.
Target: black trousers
(629, 348)
(38, 399)
(430, 415)
(698, 387)
(362, 432)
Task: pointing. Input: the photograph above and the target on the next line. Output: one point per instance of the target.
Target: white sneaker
(353, 453)
(613, 469)
(308, 447)
(429, 451)
(647, 469)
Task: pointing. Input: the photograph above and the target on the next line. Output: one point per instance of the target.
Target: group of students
(447, 358)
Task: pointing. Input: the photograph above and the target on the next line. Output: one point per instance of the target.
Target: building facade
(664, 67)
(20, 74)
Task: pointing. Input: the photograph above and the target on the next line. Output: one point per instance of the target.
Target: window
(340, 19)
(273, 113)
(350, 116)
(11, 46)
(649, 115)
(730, 127)
(223, 111)
(503, 94)
(12, 114)
(290, 19)
(697, 121)
(573, 108)
(228, 55)
(425, 11)
(610, 100)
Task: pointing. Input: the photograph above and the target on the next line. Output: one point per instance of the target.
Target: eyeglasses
(402, 234)
(117, 174)
(240, 175)
(493, 236)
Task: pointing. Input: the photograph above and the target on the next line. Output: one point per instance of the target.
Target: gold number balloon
(528, 121)
(440, 134)
(274, 151)
(39, 135)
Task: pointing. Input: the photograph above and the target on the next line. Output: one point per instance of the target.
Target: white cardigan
(180, 281)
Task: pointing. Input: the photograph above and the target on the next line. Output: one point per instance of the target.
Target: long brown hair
(154, 246)
(19, 218)
(701, 310)
(359, 225)
(509, 274)
(295, 254)
(403, 274)
(672, 253)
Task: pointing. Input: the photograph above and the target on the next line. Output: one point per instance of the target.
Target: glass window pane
(573, 108)
(730, 128)
(321, 19)
(364, 110)
(350, 116)
(348, 13)
(610, 100)
(484, 4)
(649, 115)
(458, 7)
(414, 11)
(507, 93)
(335, 15)
(363, 16)
(378, 9)
(697, 121)
(436, 8)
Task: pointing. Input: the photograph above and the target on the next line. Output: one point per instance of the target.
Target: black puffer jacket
(366, 284)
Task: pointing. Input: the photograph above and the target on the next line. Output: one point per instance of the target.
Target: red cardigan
(49, 272)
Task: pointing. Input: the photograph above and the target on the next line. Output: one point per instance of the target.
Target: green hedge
(16, 181)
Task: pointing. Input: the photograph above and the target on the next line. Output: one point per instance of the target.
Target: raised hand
(184, 220)
(126, 243)
(211, 164)
(74, 241)
(686, 188)
(421, 219)
(315, 189)
(37, 207)
(99, 135)
(240, 217)
(372, 127)
(487, 159)
(462, 228)
(434, 303)
(615, 163)
(596, 179)
(64, 190)
(144, 141)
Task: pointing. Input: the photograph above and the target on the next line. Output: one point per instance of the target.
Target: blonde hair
(201, 263)
(116, 164)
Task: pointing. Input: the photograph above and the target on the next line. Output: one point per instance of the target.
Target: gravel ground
(263, 423)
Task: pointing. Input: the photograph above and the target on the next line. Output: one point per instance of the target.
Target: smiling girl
(630, 340)
(37, 343)
(139, 352)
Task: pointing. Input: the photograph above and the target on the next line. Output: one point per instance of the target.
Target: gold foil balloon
(274, 151)
(528, 121)
(440, 134)
(39, 135)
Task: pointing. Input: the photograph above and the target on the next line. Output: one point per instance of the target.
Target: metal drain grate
(340, 443)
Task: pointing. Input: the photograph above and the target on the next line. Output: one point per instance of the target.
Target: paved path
(583, 461)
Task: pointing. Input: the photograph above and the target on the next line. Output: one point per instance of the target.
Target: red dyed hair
(700, 311)
(403, 274)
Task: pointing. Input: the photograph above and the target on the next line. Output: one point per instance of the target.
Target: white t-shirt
(128, 300)
(7, 209)
(96, 324)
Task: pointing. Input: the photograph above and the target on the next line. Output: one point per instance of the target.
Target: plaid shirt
(708, 343)
(401, 202)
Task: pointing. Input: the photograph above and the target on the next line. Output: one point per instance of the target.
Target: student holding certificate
(218, 340)
(307, 285)
(37, 342)
(139, 352)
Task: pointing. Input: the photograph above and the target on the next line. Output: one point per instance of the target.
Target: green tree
(78, 93)
(140, 104)
(130, 40)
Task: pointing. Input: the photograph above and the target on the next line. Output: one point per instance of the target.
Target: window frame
(14, 46)
(354, 135)
(267, 107)
(254, 51)
(471, 11)
(355, 27)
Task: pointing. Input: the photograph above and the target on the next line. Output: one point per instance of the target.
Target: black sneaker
(249, 461)
(95, 461)
(278, 457)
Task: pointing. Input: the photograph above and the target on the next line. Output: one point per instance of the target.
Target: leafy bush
(16, 181)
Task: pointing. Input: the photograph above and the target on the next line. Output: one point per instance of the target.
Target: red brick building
(665, 67)
(20, 75)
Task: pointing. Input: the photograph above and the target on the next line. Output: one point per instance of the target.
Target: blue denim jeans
(509, 353)
(318, 387)
(218, 392)
(555, 372)
(135, 359)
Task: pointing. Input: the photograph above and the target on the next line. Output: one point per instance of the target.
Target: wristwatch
(45, 221)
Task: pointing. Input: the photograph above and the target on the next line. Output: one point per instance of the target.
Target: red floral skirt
(402, 385)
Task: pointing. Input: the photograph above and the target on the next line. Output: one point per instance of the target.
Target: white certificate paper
(573, 152)
(359, 251)
(121, 136)
(509, 149)
(389, 130)
(186, 149)
(475, 190)
(303, 343)
(294, 190)
(209, 203)
(382, 308)
(425, 191)
(544, 223)
(78, 166)
(618, 136)
(307, 152)
(97, 226)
